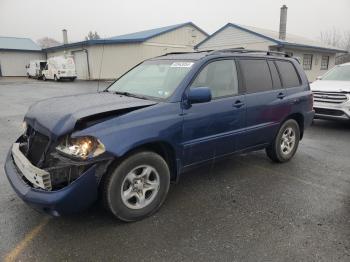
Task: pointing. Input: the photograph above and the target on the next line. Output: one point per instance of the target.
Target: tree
(47, 42)
(346, 41)
(92, 36)
(335, 38)
(331, 37)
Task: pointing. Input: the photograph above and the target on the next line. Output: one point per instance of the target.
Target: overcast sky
(40, 18)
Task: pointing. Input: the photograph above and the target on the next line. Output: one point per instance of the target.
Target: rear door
(210, 129)
(265, 100)
(297, 94)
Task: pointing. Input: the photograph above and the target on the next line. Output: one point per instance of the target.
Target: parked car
(60, 67)
(34, 68)
(165, 116)
(332, 94)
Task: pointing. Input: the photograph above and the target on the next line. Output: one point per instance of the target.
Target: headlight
(24, 127)
(81, 147)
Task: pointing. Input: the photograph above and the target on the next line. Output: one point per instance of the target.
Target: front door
(210, 129)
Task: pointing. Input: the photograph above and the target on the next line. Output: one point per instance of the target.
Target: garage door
(13, 63)
(81, 65)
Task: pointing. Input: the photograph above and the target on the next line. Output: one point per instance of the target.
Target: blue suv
(163, 117)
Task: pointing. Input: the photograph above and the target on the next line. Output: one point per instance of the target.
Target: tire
(285, 143)
(55, 78)
(44, 78)
(122, 191)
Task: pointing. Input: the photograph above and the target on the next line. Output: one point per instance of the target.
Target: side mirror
(319, 78)
(199, 95)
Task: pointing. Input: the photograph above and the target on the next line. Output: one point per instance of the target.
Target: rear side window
(277, 84)
(256, 75)
(220, 77)
(288, 74)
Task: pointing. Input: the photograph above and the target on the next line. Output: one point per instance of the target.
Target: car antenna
(99, 76)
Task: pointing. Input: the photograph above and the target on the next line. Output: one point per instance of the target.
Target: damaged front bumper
(76, 196)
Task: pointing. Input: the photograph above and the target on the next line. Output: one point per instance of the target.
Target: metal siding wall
(117, 59)
(232, 38)
(13, 63)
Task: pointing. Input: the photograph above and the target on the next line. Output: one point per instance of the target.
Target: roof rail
(187, 52)
(242, 50)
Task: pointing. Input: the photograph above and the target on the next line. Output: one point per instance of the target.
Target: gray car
(332, 94)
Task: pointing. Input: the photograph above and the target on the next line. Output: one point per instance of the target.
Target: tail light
(312, 101)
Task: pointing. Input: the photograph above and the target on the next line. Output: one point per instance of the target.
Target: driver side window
(220, 77)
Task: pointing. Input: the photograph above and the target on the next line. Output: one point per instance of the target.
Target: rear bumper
(76, 197)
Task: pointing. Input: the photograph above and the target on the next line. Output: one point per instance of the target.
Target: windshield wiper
(130, 95)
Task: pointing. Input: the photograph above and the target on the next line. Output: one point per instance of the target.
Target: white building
(15, 54)
(111, 57)
(316, 58)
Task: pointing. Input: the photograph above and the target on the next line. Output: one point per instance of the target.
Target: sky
(40, 18)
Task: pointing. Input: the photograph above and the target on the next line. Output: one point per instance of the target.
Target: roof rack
(242, 50)
(186, 52)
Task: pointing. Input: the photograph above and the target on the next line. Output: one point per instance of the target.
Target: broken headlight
(24, 127)
(81, 147)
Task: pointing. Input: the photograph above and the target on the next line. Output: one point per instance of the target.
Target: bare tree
(331, 37)
(47, 42)
(346, 41)
(92, 36)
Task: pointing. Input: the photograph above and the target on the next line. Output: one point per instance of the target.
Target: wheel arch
(162, 148)
(299, 118)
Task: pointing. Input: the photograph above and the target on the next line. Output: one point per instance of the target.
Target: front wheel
(137, 187)
(285, 143)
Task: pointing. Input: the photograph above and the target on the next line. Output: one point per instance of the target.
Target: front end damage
(50, 181)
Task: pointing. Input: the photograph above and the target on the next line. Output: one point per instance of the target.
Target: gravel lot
(241, 209)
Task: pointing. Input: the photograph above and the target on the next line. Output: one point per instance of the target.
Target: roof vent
(283, 23)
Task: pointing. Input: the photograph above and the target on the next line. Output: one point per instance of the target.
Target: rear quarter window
(256, 75)
(289, 75)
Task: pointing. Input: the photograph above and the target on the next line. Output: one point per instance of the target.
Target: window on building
(307, 62)
(256, 75)
(220, 77)
(324, 62)
(288, 73)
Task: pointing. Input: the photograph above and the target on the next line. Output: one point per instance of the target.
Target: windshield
(339, 73)
(157, 79)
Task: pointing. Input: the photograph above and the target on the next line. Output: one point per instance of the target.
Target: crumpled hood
(330, 86)
(58, 116)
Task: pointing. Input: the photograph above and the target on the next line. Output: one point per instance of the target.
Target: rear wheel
(44, 77)
(286, 142)
(137, 187)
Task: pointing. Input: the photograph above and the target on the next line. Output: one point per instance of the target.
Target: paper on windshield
(182, 64)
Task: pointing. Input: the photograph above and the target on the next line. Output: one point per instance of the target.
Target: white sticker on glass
(182, 64)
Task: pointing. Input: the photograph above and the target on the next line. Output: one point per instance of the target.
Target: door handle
(281, 95)
(238, 104)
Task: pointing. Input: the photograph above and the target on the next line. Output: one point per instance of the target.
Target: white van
(35, 67)
(60, 67)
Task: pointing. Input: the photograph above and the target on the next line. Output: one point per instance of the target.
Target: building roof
(292, 41)
(17, 43)
(147, 34)
(129, 38)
